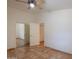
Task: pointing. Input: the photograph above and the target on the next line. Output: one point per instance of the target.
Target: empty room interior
(39, 29)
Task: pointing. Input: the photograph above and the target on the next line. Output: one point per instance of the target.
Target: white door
(34, 34)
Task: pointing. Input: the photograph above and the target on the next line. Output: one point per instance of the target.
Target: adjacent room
(39, 29)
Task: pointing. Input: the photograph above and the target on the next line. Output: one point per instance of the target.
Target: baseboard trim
(10, 49)
(59, 51)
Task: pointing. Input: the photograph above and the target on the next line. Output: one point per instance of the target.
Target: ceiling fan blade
(40, 3)
(21, 1)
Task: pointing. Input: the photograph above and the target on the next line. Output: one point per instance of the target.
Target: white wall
(58, 29)
(15, 15)
(11, 30)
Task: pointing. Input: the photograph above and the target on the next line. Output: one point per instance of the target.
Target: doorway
(41, 35)
(22, 34)
(31, 34)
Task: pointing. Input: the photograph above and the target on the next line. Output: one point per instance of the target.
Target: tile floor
(39, 52)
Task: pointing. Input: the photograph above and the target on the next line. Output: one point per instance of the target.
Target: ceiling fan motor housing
(32, 1)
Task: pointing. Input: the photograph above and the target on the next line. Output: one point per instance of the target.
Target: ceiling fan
(32, 3)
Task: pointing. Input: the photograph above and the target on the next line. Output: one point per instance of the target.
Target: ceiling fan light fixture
(32, 5)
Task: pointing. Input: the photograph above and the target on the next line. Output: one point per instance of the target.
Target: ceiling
(49, 5)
